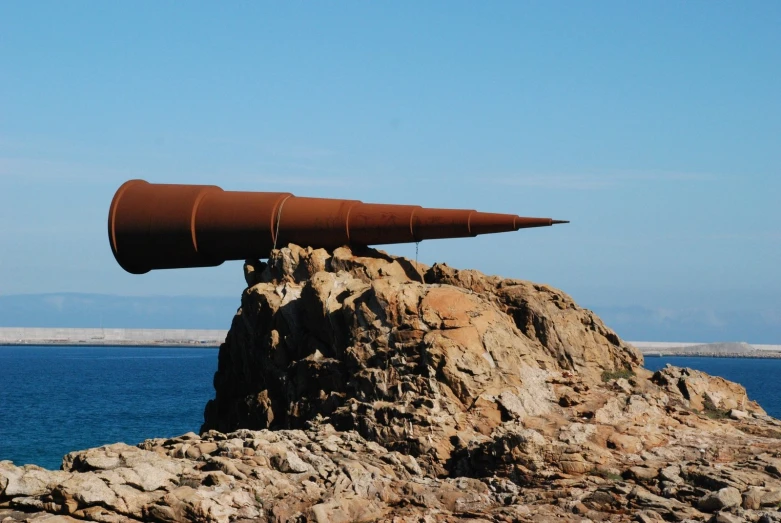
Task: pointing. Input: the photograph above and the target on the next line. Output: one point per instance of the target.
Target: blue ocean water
(761, 377)
(54, 400)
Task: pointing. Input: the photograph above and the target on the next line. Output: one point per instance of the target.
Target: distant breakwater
(652, 349)
(98, 337)
(111, 337)
(758, 354)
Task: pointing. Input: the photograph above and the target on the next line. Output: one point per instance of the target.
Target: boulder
(710, 394)
(727, 497)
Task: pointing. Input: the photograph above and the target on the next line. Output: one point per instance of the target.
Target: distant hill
(755, 325)
(131, 312)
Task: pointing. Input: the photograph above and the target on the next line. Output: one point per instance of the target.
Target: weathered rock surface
(355, 386)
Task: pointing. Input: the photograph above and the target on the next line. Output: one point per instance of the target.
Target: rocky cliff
(417, 359)
(356, 386)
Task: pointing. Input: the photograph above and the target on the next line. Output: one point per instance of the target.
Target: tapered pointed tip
(486, 222)
(523, 222)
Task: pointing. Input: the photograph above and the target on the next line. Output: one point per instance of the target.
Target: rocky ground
(355, 386)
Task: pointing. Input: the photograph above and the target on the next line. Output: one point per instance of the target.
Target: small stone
(726, 517)
(738, 414)
(253, 269)
(579, 508)
(771, 498)
(672, 474)
(624, 443)
(289, 462)
(623, 385)
(770, 517)
(752, 498)
(720, 499)
(648, 516)
(642, 474)
(207, 447)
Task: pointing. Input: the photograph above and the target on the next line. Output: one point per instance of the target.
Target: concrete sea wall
(111, 337)
(716, 350)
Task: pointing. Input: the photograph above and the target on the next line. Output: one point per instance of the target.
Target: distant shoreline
(72, 337)
(764, 355)
(208, 338)
(652, 349)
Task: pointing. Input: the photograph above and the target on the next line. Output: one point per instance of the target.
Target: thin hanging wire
(279, 219)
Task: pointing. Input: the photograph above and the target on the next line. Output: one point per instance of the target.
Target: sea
(54, 400)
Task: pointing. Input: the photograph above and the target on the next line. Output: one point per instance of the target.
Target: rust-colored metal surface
(163, 226)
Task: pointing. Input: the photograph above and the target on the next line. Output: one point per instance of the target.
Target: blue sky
(655, 127)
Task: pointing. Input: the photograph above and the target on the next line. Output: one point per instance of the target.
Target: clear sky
(654, 126)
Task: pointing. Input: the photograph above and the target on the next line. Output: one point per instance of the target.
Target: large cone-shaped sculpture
(162, 226)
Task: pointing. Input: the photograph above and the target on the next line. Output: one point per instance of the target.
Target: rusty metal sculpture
(163, 226)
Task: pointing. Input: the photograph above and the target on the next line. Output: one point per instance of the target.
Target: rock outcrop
(356, 386)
